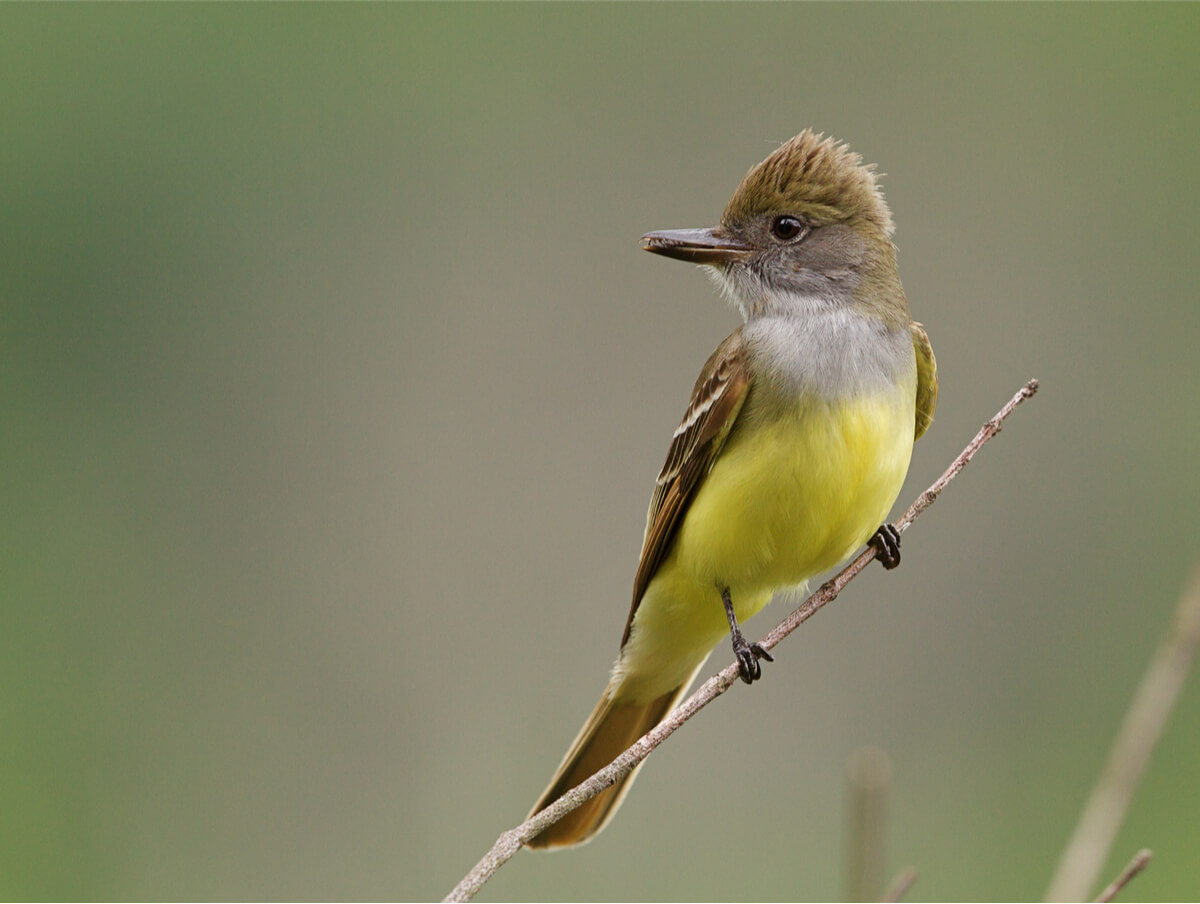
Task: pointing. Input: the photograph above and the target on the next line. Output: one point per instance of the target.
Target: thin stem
(511, 841)
(868, 788)
(1139, 862)
(900, 885)
(1084, 857)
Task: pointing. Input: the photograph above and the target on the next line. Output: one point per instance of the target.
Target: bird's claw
(748, 655)
(886, 543)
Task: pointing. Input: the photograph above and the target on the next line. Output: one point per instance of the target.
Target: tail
(608, 732)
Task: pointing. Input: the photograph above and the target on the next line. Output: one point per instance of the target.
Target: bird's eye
(786, 228)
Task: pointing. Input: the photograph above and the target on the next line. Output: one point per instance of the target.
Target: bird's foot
(886, 543)
(748, 655)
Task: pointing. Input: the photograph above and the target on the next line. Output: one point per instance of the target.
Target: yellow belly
(786, 500)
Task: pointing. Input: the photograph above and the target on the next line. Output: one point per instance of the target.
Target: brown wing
(716, 401)
(927, 381)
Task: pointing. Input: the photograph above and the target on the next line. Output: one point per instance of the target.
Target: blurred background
(334, 384)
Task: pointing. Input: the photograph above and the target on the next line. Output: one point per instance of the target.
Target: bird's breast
(794, 494)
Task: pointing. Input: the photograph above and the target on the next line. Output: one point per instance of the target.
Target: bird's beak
(699, 246)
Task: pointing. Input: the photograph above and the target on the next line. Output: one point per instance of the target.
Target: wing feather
(716, 401)
(927, 381)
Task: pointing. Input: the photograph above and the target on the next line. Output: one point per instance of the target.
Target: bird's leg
(747, 654)
(886, 543)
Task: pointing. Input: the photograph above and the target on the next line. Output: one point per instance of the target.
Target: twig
(510, 842)
(1084, 856)
(1139, 862)
(900, 885)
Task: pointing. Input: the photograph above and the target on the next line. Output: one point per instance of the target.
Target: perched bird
(791, 452)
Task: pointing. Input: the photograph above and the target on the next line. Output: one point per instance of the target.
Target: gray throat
(831, 352)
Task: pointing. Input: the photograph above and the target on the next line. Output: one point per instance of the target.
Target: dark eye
(786, 228)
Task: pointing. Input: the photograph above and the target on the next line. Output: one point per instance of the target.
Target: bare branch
(1144, 722)
(512, 840)
(1139, 862)
(900, 885)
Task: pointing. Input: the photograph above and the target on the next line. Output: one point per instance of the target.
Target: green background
(333, 384)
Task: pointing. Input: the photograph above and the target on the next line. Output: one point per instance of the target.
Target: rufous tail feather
(609, 731)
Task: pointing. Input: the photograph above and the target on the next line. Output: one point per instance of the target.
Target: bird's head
(808, 228)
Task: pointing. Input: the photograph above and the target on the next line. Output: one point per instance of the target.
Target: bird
(792, 449)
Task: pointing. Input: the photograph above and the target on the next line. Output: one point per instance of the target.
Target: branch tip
(900, 885)
(1139, 862)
